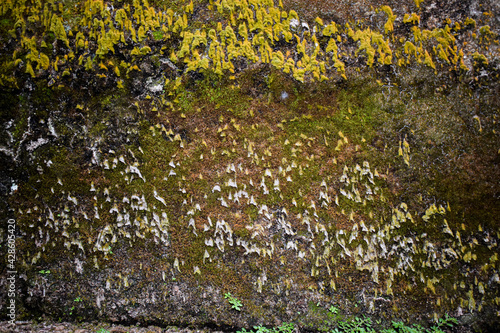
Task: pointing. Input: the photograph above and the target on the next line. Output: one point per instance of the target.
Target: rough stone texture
(377, 195)
(48, 327)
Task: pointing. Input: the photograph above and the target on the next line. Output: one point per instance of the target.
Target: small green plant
(284, 328)
(364, 325)
(333, 309)
(356, 325)
(157, 35)
(43, 271)
(102, 330)
(446, 321)
(399, 326)
(235, 303)
(78, 299)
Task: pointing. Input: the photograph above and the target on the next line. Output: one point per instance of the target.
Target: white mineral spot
(73, 200)
(176, 264)
(219, 241)
(276, 184)
(263, 186)
(192, 224)
(159, 198)
(35, 144)
(135, 169)
(291, 245)
(223, 202)
(114, 209)
(294, 23)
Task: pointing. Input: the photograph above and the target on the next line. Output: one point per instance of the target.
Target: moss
(158, 35)
(264, 120)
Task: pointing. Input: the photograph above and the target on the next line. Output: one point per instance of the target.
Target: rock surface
(194, 165)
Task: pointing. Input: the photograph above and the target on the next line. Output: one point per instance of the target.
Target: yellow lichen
(278, 60)
(44, 61)
(29, 69)
(330, 29)
(391, 17)
(418, 2)
(145, 50)
(428, 60)
(57, 27)
(480, 59)
(413, 18)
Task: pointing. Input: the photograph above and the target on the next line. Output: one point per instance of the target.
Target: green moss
(158, 35)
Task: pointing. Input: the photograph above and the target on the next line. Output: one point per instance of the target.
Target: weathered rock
(139, 190)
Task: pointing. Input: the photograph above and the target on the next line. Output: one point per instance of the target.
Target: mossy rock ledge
(225, 164)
